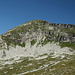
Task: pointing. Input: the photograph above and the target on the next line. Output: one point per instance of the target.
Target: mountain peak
(23, 46)
(54, 32)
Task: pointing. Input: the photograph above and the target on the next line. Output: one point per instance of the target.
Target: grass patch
(67, 44)
(33, 42)
(69, 30)
(46, 41)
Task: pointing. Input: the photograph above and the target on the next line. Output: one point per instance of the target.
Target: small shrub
(33, 42)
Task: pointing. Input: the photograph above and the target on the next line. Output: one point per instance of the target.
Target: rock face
(32, 30)
(37, 40)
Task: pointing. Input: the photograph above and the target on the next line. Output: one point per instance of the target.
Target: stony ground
(41, 65)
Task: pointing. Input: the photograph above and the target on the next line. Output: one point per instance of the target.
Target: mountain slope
(38, 47)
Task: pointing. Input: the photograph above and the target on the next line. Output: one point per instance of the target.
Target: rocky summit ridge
(53, 44)
(63, 33)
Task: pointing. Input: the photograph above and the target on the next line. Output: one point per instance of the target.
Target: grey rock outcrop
(31, 30)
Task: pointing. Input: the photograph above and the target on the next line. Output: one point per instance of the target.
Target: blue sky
(16, 12)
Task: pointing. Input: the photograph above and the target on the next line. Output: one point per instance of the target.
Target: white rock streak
(33, 51)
